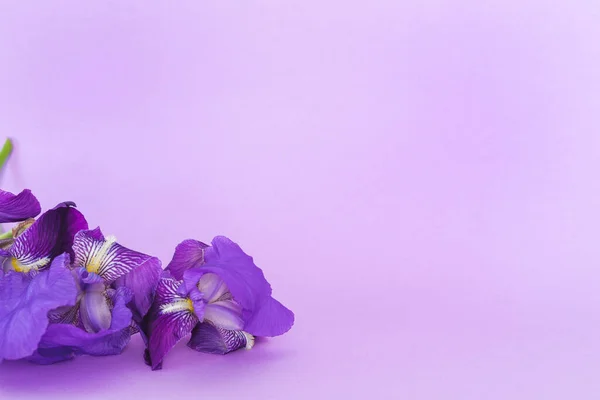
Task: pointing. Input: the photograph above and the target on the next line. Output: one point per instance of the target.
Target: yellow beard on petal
(95, 262)
(20, 267)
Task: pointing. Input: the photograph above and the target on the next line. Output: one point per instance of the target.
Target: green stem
(6, 235)
(5, 152)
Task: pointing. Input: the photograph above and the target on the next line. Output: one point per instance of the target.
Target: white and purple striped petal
(105, 257)
(171, 318)
(208, 338)
(50, 235)
(15, 208)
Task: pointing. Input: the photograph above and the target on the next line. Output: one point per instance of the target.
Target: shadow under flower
(88, 374)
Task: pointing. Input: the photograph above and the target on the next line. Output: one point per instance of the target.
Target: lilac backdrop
(419, 181)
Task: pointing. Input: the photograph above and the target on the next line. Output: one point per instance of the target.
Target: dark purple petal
(64, 341)
(142, 281)
(25, 303)
(105, 257)
(207, 338)
(188, 254)
(263, 315)
(14, 208)
(170, 319)
(51, 234)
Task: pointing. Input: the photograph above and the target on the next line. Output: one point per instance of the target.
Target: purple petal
(14, 208)
(95, 312)
(64, 341)
(245, 281)
(167, 326)
(263, 315)
(142, 281)
(188, 254)
(225, 314)
(210, 339)
(51, 234)
(25, 303)
(270, 318)
(212, 286)
(105, 257)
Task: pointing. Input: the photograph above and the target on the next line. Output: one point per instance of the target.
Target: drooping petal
(104, 256)
(51, 234)
(170, 319)
(244, 279)
(64, 341)
(14, 208)
(270, 318)
(263, 315)
(188, 254)
(208, 338)
(225, 314)
(142, 281)
(25, 303)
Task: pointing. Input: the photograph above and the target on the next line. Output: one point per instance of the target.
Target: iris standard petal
(94, 309)
(51, 234)
(170, 319)
(212, 287)
(208, 338)
(263, 315)
(225, 314)
(64, 341)
(25, 303)
(245, 280)
(188, 254)
(104, 256)
(14, 208)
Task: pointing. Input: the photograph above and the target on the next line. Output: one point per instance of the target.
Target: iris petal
(64, 341)
(25, 303)
(142, 281)
(188, 254)
(212, 287)
(94, 309)
(224, 314)
(14, 208)
(170, 319)
(103, 256)
(51, 234)
(208, 338)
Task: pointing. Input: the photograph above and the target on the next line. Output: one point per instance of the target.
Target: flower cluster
(67, 290)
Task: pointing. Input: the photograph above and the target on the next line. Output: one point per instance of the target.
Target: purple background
(418, 180)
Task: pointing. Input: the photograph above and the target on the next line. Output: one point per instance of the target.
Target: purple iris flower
(34, 244)
(115, 287)
(217, 294)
